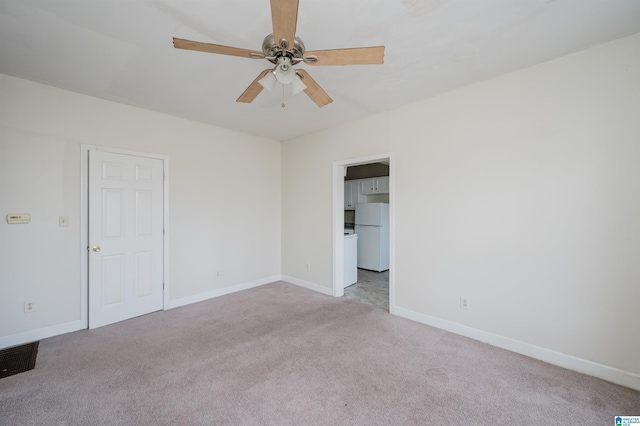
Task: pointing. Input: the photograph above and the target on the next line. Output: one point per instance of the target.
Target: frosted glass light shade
(268, 81)
(284, 71)
(297, 85)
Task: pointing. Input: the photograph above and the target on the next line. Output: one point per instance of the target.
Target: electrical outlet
(465, 303)
(29, 307)
(308, 266)
(217, 273)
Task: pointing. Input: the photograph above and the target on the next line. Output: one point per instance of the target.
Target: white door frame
(339, 168)
(84, 224)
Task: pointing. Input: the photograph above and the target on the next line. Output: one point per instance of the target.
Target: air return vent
(18, 359)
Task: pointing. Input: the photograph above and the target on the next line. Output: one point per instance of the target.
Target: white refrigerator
(372, 228)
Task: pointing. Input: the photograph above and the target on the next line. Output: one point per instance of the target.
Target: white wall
(307, 191)
(224, 200)
(521, 193)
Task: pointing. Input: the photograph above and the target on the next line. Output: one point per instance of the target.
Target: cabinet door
(348, 199)
(368, 186)
(382, 185)
(352, 194)
(375, 185)
(358, 196)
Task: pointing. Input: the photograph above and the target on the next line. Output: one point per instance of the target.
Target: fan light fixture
(297, 85)
(283, 73)
(268, 81)
(284, 49)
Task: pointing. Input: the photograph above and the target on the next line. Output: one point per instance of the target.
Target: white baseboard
(570, 362)
(40, 333)
(309, 285)
(220, 292)
(43, 333)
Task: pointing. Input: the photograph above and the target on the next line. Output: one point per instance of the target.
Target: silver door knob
(96, 248)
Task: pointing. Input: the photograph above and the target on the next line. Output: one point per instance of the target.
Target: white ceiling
(122, 50)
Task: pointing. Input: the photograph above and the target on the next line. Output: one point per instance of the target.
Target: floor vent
(18, 359)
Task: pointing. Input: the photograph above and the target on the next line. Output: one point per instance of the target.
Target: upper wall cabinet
(352, 194)
(379, 185)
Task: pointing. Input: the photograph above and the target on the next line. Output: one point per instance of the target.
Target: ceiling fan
(284, 50)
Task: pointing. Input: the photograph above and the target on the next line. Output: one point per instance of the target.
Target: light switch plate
(63, 221)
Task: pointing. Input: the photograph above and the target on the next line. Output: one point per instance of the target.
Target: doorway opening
(364, 247)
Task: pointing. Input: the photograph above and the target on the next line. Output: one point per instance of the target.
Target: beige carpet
(283, 355)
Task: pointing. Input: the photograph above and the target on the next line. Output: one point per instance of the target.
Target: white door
(125, 236)
(348, 199)
(382, 185)
(369, 214)
(369, 247)
(368, 186)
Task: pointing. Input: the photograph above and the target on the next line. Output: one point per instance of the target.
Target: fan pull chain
(282, 104)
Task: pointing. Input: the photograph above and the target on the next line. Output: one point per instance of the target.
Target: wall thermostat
(18, 218)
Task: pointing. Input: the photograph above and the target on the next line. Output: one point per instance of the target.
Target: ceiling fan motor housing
(272, 51)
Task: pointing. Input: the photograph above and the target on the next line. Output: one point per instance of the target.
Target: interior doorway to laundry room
(363, 224)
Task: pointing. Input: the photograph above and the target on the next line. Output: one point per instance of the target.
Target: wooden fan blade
(313, 90)
(353, 56)
(179, 43)
(253, 90)
(284, 16)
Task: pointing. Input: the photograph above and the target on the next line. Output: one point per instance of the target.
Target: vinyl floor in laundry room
(371, 288)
